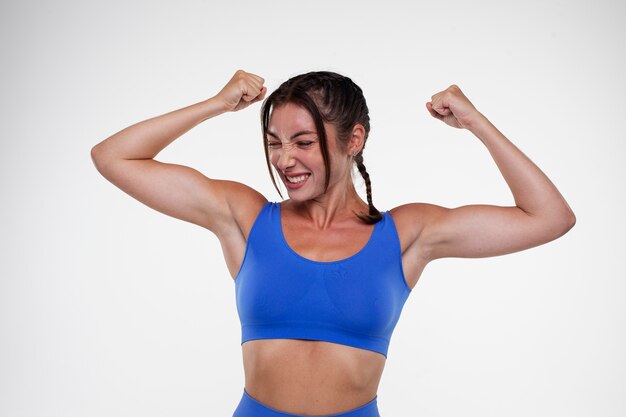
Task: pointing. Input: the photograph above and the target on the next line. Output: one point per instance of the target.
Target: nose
(285, 158)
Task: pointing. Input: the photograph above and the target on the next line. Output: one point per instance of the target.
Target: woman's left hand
(453, 108)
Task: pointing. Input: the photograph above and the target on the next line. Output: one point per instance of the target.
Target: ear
(357, 139)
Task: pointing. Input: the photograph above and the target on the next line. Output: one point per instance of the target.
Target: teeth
(296, 180)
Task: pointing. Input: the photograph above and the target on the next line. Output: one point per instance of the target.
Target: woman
(322, 277)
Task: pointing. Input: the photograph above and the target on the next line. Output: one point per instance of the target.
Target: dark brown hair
(332, 98)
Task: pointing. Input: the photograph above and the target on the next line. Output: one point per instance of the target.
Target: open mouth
(298, 179)
(295, 182)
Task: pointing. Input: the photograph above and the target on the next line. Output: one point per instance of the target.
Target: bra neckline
(338, 261)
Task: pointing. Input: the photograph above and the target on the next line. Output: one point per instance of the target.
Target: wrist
(214, 107)
(477, 123)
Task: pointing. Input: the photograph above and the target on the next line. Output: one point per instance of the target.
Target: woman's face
(294, 151)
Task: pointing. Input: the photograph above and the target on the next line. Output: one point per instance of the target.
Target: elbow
(99, 158)
(566, 222)
(556, 225)
(571, 220)
(563, 218)
(95, 157)
(569, 217)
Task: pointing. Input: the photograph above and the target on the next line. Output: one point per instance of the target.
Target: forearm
(532, 189)
(144, 140)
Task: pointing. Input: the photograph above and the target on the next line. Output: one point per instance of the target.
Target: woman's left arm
(541, 213)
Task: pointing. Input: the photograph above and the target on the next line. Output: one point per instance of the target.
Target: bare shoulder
(244, 204)
(411, 220)
(412, 211)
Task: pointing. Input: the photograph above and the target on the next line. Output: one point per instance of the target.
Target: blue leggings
(249, 407)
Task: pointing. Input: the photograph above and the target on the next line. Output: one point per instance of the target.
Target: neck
(338, 204)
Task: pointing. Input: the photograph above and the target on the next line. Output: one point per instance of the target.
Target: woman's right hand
(243, 89)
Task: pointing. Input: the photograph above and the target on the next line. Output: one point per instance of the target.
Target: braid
(374, 215)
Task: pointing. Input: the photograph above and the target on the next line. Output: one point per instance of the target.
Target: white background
(108, 308)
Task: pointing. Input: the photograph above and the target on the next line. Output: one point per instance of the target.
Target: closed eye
(303, 144)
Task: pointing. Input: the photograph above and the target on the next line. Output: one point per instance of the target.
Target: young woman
(321, 278)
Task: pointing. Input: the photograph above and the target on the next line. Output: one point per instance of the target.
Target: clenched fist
(453, 108)
(243, 89)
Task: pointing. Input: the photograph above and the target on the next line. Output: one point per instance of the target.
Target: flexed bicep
(180, 191)
(480, 230)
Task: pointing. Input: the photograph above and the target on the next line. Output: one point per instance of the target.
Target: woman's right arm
(127, 160)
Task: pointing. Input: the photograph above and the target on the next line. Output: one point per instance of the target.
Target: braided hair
(332, 98)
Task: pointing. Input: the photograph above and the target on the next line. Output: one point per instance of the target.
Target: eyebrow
(300, 133)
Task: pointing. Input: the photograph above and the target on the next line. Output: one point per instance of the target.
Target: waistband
(249, 407)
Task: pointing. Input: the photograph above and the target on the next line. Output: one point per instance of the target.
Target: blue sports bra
(355, 301)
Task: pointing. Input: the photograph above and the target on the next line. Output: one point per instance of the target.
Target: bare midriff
(310, 377)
